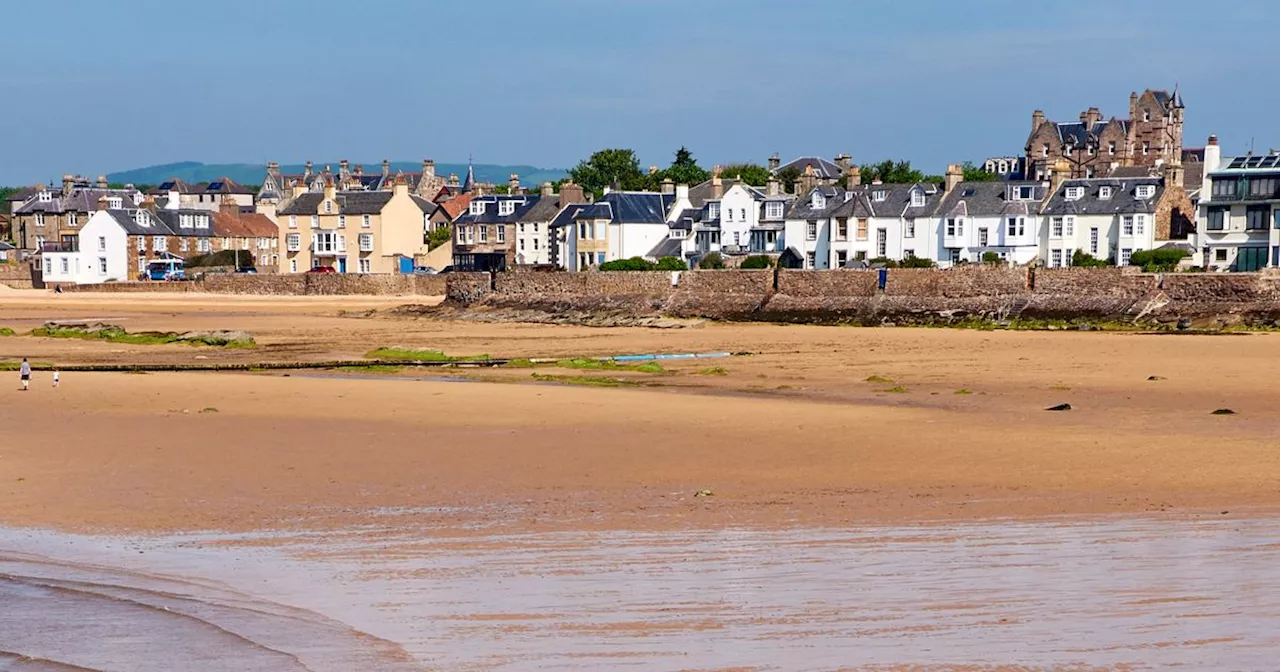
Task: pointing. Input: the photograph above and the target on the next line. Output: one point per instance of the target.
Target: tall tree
(751, 173)
(972, 173)
(685, 169)
(891, 172)
(609, 167)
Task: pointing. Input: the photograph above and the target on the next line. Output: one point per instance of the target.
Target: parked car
(323, 269)
(424, 270)
(247, 269)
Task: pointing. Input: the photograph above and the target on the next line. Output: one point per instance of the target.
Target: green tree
(1085, 260)
(685, 169)
(992, 259)
(671, 264)
(917, 262)
(891, 172)
(788, 176)
(712, 261)
(609, 167)
(751, 173)
(439, 236)
(973, 173)
(1159, 260)
(757, 261)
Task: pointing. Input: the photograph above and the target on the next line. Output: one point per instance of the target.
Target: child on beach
(55, 377)
(24, 372)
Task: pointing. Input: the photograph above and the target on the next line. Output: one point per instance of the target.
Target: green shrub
(6, 331)
(1161, 260)
(1085, 260)
(439, 236)
(419, 355)
(671, 264)
(222, 258)
(916, 262)
(992, 259)
(712, 261)
(632, 264)
(757, 261)
(883, 261)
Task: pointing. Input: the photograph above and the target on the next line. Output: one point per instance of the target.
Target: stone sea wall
(902, 296)
(302, 284)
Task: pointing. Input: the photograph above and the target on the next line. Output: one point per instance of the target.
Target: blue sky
(103, 86)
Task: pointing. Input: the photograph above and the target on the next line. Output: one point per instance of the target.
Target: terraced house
(1239, 220)
(118, 241)
(353, 231)
(996, 217)
(52, 216)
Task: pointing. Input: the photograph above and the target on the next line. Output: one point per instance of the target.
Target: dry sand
(791, 436)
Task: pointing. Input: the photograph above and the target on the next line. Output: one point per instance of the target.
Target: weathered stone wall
(628, 291)
(16, 275)
(1110, 293)
(822, 294)
(728, 294)
(467, 288)
(964, 282)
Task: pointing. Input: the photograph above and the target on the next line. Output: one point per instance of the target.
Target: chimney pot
(774, 161)
(953, 178)
(668, 187)
(386, 167)
(547, 190)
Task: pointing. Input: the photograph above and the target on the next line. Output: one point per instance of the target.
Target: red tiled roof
(243, 225)
(456, 205)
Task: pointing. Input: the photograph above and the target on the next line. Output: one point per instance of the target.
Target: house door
(1250, 259)
(342, 264)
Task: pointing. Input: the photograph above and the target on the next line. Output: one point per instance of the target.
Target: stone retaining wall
(300, 284)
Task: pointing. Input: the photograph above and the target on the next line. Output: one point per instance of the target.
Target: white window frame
(293, 221)
(160, 244)
(364, 221)
(476, 208)
(1055, 258)
(1126, 225)
(1055, 226)
(342, 221)
(1104, 192)
(102, 265)
(315, 221)
(366, 242)
(773, 210)
(917, 199)
(811, 230)
(1070, 225)
(293, 242)
(293, 265)
(502, 234)
(909, 228)
(1074, 193)
(1140, 225)
(71, 219)
(1146, 191)
(818, 201)
(365, 265)
(506, 207)
(484, 233)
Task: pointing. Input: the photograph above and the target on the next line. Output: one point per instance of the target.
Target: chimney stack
(773, 187)
(547, 191)
(1059, 173)
(102, 182)
(774, 162)
(344, 167)
(953, 178)
(298, 187)
(1133, 106)
(227, 206)
(149, 203)
(330, 191)
(1037, 120)
(453, 179)
(102, 202)
(1212, 161)
(853, 177)
(386, 167)
(401, 186)
(717, 186)
(428, 168)
(307, 171)
(668, 187)
(682, 192)
(68, 182)
(513, 183)
(571, 193)
(843, 161)
(273, 168)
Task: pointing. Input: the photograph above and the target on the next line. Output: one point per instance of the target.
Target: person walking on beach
(55, 377)
(24, 372)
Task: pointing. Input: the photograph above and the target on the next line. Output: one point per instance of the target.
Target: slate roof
(669, 247)
(176, 184)
(155, 226)
(22, 193)
(491, 213)
(243, 225)
(349, 203)
(80, 200)
(1133, 171)
(700, 193)
(989, 199)
(226, 185)
(1123, 197)
(687, 219)
(544, 209)
(822, 168)
(802, 208)
(172, 219)
(575, 211)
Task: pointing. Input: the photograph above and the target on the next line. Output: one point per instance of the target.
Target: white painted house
(1108, 218)
(1000, 217)
(100, 252)
(831, 226)
(1238, 224)
(621, 225)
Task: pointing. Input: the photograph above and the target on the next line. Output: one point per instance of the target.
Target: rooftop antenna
(1250, 146)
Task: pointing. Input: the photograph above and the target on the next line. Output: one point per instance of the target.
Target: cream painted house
(352, 231)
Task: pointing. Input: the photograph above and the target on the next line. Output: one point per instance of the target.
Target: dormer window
(115, 202)
(477, 208)
(879, 195)
(1075, 193)
(773, 210)
(141, 218)
(45, 197)
(1146, 191)
(1024, 192)
(1104, 192)
(818, 201)
(917, 199)
(713, 211)
(506, 207)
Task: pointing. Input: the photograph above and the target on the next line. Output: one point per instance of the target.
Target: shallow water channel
(1132, 593)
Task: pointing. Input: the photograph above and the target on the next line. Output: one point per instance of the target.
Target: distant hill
(253, 173)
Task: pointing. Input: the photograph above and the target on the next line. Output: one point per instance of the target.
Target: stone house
(234, 229)
(1095, 146)
(117, 244)
(385, 228)
(1238, 225)
(488, 227)
(50, 216)
(208, 196)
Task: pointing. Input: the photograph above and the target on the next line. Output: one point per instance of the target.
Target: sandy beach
(819, 430)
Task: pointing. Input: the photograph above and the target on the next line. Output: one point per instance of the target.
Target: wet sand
(496, 522)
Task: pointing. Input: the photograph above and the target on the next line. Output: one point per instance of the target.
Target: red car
(322, 269)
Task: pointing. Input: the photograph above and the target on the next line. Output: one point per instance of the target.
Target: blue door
(342, 264)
